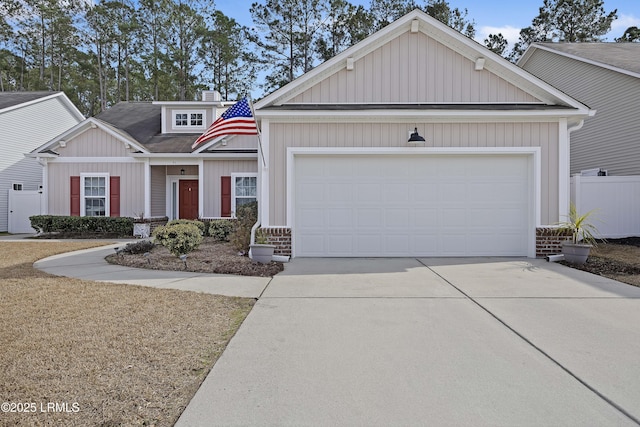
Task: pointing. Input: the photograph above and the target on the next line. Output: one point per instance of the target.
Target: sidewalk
(90, 264)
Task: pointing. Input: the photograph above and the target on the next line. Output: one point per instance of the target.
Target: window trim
(233, 188)
(189, 113)
(107, 192)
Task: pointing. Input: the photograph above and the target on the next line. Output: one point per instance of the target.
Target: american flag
(237, 120)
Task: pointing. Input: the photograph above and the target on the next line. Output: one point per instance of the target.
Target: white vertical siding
(413, 68)
(543, 135)
(21, 131)
(611, 139)
(131, 185)
(213, 170)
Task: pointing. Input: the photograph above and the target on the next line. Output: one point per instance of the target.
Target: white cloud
(621, 24)
(508, 32)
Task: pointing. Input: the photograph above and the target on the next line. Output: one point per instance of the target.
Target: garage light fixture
(415, 136)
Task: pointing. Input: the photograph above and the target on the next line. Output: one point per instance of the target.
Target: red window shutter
(225, 191)
(75, 196)
(114, 196)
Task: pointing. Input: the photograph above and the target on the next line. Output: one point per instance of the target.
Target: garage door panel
(370, 218)
(339, 218)
(340, 244)
(424, 205)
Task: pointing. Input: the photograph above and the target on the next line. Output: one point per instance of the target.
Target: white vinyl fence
(615, 201)
(22, 205)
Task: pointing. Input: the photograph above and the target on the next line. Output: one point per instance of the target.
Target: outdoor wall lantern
(415, 136)
(181, 171)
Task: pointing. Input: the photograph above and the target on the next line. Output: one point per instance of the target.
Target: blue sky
(491, 16)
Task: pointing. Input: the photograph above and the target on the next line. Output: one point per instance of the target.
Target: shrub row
(122, 226)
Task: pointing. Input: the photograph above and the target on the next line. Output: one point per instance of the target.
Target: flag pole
(253, 113)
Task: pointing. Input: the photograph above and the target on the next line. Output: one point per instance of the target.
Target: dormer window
(188, 119)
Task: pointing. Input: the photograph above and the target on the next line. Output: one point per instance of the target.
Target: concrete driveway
(381, 342)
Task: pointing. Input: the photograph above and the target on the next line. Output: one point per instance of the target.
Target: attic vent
(211, 96)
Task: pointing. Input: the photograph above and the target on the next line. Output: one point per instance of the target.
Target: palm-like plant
(579, 226)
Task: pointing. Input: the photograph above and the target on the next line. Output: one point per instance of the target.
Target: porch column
(201, 185)
(263, 173)
(147, 188)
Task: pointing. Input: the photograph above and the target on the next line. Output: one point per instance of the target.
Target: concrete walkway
(89, 264)
(381, 342)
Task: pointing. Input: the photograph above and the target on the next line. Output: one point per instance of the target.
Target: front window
(245, 190)
(94, 195)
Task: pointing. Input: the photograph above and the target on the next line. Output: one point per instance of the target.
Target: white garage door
(419, 205)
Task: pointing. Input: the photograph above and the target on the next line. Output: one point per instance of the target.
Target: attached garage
(487, 173)
(436, 204)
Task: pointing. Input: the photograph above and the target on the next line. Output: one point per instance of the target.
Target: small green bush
(220, 229)
(140, 247)
(121, 226)
(180, 239)
(201, 226)
(246, 215)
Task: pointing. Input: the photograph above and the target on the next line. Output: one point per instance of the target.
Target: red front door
(188, 199)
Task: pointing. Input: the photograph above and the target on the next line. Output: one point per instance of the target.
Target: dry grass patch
(126, 355)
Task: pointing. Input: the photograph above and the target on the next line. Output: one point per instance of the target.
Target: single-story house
(605, 76)
(135, 159)
(417, 141)
(27, 120)
(344, 176)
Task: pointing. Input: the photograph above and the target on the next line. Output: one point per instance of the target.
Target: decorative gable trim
(91, 123)
(441, 33)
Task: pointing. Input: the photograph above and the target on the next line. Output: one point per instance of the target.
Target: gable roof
(13, 100)
(416, 21)
(620, 57)
(90, 123)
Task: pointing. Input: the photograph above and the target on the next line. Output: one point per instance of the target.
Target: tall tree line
(103, 52)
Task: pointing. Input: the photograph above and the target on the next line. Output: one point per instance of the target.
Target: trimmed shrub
(121, 226)
(180, 239)
(220, 229)
(201, 226)
(140, 247)
(246, 215)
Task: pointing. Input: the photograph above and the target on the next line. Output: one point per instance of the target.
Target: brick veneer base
(281, 238)
(549, 241)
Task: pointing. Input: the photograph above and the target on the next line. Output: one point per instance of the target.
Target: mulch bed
(617, 259)
(211, 257)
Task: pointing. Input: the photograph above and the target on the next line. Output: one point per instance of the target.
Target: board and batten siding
(23, 130)
(213, 170)
(429, 72)
(611, 139)
(544, 135)
(94, 143)
(131, 185)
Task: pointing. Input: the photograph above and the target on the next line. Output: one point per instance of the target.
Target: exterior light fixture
(181, 171)
(415, 136)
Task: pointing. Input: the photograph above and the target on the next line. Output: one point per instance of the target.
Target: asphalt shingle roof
(143, 122)
(620, 55)
(11, 99)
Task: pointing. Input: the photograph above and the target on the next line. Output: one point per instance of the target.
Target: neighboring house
(340, 177)
(28, 120)
(135, 159)
(606, 77)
